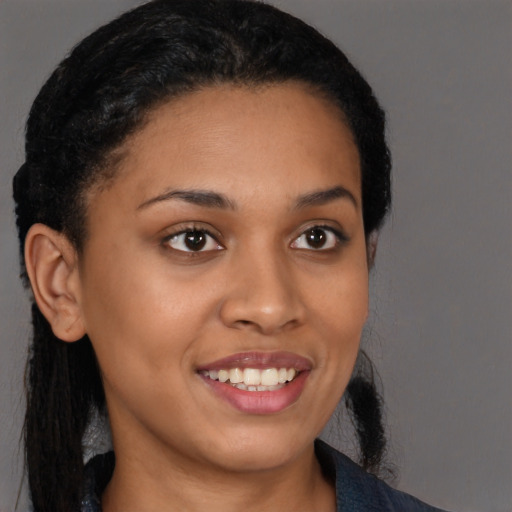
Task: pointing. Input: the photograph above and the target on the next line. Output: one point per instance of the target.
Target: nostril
(266, 312)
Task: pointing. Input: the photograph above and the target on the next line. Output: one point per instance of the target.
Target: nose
(262, 295)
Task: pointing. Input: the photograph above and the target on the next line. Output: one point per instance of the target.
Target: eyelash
(340, 239)
(192, 230)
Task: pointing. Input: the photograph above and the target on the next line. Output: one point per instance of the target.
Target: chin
(261, 450)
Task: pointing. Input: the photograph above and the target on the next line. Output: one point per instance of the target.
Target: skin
(155, 313)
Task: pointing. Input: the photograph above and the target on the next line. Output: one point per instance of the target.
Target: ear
(371, 247)
(52, 267)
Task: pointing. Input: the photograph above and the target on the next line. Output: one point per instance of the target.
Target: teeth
(281, 375)
(235, 376)
(252, 379)
(269, 377)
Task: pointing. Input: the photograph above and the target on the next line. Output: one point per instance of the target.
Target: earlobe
(52, 268)
(371, 247)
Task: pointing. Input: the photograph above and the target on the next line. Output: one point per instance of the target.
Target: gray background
(440, 330)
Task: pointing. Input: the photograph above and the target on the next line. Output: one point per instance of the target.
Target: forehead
(280, 137)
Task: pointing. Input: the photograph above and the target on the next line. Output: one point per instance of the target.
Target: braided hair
(100, 94)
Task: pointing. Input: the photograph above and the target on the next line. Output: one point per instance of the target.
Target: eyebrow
(211, 199)
(198, 197)
(321, 197)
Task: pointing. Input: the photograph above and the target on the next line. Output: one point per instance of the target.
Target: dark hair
(97, 96)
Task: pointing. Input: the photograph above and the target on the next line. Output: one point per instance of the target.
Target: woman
(198, 212)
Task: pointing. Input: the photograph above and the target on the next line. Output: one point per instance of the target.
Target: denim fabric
(98, 472)
(356, 490)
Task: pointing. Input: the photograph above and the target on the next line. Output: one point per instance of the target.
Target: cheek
(136, 316)
(341, 311)
(341, 299)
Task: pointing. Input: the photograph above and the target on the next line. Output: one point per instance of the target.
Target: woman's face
(230, 245)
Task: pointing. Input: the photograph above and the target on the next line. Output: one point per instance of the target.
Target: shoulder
(358, 491)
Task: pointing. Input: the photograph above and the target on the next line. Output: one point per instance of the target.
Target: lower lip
(259, 402)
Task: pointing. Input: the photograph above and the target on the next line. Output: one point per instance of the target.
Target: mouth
(258, 383)
(253, 379)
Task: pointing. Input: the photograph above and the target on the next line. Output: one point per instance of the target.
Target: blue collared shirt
(356, 490)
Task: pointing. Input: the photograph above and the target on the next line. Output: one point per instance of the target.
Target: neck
(166, 484)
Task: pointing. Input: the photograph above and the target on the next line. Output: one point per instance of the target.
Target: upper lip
(259, 360)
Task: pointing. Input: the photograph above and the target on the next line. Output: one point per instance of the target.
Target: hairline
(105, 173)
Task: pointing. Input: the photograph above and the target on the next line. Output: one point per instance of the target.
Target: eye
(318, 238)
(193, 240)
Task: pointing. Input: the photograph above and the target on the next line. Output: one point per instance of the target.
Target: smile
(257, 382)
(253, 379)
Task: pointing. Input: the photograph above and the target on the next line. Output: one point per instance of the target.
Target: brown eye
(318, 238)
(193, 241)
